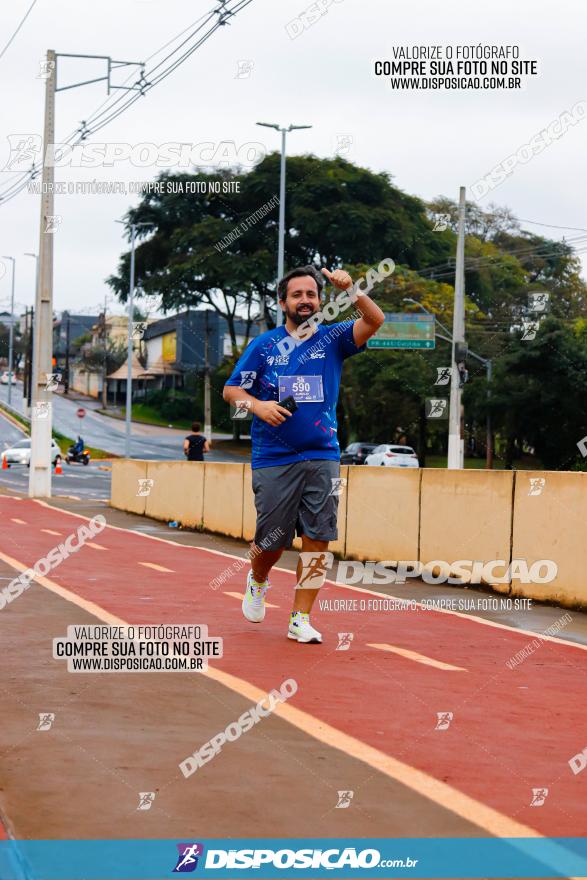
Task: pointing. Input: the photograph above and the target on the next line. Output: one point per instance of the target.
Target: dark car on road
(356, 453)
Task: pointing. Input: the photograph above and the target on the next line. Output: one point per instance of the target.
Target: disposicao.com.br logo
(334, 858)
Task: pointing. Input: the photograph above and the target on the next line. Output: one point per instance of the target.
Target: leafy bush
(174, 405)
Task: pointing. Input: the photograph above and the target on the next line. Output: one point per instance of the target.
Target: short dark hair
(299, 272)
(196, 427)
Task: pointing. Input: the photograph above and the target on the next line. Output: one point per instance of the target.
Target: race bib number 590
(303, 389)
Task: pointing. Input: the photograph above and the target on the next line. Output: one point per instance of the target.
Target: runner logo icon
(187, 860)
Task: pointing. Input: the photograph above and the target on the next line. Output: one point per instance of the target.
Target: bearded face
(302, 300)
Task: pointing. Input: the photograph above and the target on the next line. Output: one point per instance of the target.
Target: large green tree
(538, 394)
(336, 213)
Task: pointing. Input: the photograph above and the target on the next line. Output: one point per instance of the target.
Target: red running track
(513, 730)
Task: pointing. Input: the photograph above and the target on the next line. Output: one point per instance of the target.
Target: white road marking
(418, 658)
(472, 618)
(241, 596)
(156, 567)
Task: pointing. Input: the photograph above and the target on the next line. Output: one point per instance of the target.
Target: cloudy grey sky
(430, 141)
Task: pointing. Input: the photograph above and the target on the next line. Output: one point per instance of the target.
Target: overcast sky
(430, 141)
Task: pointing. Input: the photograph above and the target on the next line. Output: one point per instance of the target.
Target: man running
(296, 456)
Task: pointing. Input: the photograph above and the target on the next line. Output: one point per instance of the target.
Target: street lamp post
(11, 332)
(281, 237)
(131, 290)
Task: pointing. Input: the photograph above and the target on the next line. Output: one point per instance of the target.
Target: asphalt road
(102, 432)
(77, 481)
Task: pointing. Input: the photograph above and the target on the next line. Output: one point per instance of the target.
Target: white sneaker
(301, 629)
(254, 599)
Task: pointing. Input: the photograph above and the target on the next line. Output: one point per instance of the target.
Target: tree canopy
(218, 249)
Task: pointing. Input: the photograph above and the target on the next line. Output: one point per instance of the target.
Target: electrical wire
(554, 226)
(10, 41)
(480, 262)
(144, 84)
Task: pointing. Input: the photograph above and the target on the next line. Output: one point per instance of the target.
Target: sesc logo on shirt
(280, 360)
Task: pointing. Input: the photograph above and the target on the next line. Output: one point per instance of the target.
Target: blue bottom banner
(283, 858)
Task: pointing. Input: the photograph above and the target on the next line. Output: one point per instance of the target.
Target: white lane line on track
(156, 567)
(418, 658)
(472, 618)
(241, 596)
(52, 532)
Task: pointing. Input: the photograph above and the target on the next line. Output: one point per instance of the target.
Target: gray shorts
(296, 497)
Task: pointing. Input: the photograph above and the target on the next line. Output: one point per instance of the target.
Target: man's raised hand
(339, 278)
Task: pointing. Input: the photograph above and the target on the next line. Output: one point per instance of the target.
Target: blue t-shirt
(310, 433)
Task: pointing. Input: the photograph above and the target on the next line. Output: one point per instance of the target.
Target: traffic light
(461, 352)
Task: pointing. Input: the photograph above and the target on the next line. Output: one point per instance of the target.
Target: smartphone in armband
(289, 404)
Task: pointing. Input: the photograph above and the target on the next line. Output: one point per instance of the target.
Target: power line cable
(10, 41)
(82, 133)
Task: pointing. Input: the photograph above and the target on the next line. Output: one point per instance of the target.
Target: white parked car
(389, 455)
(4, 378)
(20, 452)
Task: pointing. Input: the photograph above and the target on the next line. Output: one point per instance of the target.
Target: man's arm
(370, 321)
(371, 315)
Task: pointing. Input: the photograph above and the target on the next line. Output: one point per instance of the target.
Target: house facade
(176, 345)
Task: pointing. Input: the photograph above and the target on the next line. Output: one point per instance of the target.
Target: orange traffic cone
(4, 463)
(58, 468)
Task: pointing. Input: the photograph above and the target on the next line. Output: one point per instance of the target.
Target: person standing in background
(195, 444)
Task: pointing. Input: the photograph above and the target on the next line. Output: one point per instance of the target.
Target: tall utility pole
(11, 333)
(455, 442)
(66, 369)
(281, 245)
(25, 375)
(489, 464)
(104, 330)
(129, 345)
(27, 398)
(27, 362)
(207, 409)
(487, 363)
(41, 416)
(29, 357)
(281, 238)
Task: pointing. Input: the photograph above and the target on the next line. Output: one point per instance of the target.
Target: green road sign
(405, 331)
